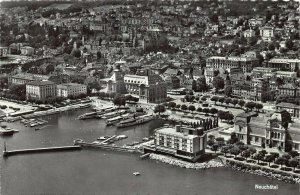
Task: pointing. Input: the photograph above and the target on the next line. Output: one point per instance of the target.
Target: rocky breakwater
(184, 164)
(272, 174)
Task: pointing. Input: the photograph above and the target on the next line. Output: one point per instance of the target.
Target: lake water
(97, 171)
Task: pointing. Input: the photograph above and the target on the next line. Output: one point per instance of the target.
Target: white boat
(113, 114)
(121, 137)
(103, 138)
(135, 121)
(116, 119)
(136, 173)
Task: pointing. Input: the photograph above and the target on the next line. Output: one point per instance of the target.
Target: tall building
(116, 82)
(40, 90)
(246, 64)
(182, 142)
(71, 89)
(147, 87)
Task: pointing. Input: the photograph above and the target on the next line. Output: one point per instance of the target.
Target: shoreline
(261, 171)
(184, 164)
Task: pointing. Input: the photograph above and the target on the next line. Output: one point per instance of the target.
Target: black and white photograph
(149, 97)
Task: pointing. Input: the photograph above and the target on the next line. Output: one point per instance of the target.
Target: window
(256, 139)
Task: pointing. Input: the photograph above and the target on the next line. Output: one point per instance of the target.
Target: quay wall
(185, 164)
(40, 150)
(261, 170)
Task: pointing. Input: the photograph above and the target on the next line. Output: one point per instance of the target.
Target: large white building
(183, 142)
(266, 33)
(246, 64)
(71, 89)
(150, 88)
(40, 90)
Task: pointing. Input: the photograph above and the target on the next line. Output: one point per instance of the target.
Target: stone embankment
(264, 172)
(184, 164)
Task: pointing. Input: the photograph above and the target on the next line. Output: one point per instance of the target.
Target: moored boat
(135, 121)
(113, 114)
(88, 115)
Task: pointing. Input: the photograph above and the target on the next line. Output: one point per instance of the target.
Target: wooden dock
(40, 150)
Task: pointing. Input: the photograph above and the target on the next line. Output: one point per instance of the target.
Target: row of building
(41, 90)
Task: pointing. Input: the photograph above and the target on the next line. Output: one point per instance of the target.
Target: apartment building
(40, 90)
(244, 63)
(180, 141)
(71, 89)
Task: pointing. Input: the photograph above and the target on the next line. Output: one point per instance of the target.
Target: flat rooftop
(172, 131)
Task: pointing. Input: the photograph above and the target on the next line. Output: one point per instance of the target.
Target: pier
(40, 150)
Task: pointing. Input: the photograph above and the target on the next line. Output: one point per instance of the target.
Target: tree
(194, 85)
(289, 44)
(246, 154)
(241, 103)
(233, 138)
(203, 99)
(218, 83)
(252, 151)
(269, 158)
(229, 116)
(259, 157)
(221, 114)
(210, 142)
(285, 118)
(128, 98)
(228, 90)
(220, 141)
(201, 84)
(199, 109)
(286, 156)
(293, 163)
(227, 101)
(205, 110)
(271, 47)
(99, 54)
(119, 100)
(258, 106)
(215, 147)
(221, 100)
(250, 105)
(112, 95)
(159, 108)
(183, 107)
(178, 106)
(192, 108)
(235, 151)
(225, 150)
(213, 111)
(234, 101)
(293, 153)
(17, 91)
(280, 161)
(172, 105)
(214, 99)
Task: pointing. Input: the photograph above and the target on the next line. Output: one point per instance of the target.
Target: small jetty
(144, 156)
(33, 122)
(7, 153)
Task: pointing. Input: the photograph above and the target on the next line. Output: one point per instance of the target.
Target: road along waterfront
(97, 171)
